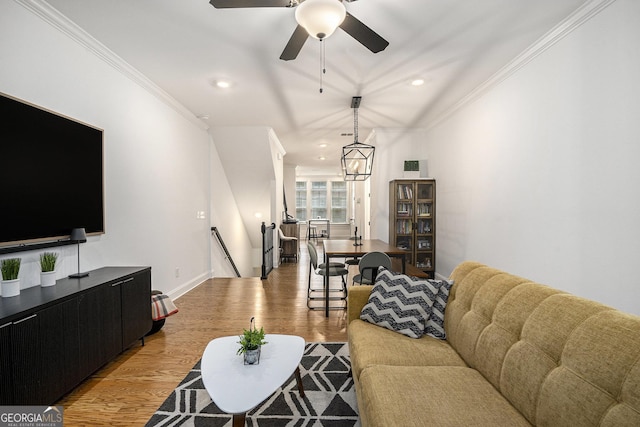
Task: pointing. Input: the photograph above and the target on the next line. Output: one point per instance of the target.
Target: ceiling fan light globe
(320, 17)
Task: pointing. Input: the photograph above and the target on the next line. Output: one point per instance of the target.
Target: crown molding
(581, 15)
(53, 17)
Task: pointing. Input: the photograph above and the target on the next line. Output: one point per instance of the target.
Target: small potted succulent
(10, 282)
(251, 341)
(47, 268)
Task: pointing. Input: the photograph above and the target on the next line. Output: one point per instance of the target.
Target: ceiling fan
(314, 10)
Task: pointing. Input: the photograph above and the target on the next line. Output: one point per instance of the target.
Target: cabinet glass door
(404, 242)
(425, 244)
(425, 190)
(404, 223)
(404, 191)
(424, 260)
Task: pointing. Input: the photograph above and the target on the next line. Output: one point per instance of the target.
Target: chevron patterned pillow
(435, 325)
(400, 303)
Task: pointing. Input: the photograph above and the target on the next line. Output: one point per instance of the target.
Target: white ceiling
(184, 46)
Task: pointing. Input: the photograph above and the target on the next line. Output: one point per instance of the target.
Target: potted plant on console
(47, 268)
(250, 342)
(10, 283)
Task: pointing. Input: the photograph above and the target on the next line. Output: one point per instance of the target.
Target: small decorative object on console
(47, 268)
(250, 342)
(10, 281)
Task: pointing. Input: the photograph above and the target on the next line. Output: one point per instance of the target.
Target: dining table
(349, 249)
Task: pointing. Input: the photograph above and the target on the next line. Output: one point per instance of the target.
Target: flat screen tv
(51, 175)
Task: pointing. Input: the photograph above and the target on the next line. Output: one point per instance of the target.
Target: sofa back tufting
(559, 359)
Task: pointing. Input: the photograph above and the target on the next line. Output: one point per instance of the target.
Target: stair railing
(267, 249)
(215, 232)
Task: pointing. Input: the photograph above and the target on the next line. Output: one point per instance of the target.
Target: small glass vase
(252, 357)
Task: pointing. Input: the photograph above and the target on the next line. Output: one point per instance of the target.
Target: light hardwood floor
(127, 391)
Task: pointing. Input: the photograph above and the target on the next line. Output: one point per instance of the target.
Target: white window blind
(338, 201)
(319, 199)
(301, 200)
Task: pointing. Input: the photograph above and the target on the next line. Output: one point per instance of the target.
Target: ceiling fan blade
(227, 4)
(365, 35)
(293, 47)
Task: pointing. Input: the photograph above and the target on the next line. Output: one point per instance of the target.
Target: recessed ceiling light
(323, 145)
(417, 82)
(222, 84)
(322, 158)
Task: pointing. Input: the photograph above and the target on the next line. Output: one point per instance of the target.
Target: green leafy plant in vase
(47, 268)
(10, 268)
(251, 341)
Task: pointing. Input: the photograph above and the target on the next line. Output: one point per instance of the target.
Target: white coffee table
(237, 388)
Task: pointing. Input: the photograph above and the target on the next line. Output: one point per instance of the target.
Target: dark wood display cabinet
(52, 338)
(412, 221)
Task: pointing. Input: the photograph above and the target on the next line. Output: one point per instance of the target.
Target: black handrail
(215, 232)
(267, 249)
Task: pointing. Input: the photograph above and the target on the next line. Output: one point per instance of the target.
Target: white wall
(252, 160)
(393, 147)
(155, 155)
(226, 217)
(277, 191)
(289, 181)
(539, 176)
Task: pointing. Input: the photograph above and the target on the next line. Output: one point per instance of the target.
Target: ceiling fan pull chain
(323, 69)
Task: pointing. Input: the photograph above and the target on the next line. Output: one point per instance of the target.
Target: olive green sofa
(516, 353)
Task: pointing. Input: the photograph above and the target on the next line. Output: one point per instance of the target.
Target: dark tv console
(52, 338)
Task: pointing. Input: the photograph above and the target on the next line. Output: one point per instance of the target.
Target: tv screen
(51, 174)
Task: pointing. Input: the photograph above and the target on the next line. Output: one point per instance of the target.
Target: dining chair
(335, 269)
(369, 265)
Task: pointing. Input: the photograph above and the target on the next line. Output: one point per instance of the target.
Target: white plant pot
(10, 288)
(47, 278)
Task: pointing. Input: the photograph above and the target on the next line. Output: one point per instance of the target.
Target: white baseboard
(191, 284)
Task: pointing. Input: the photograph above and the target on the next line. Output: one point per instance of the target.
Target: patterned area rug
(330, 397)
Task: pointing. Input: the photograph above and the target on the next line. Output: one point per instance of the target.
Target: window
(318, 199)
(338, 201)
(323, 199)
(301, 200)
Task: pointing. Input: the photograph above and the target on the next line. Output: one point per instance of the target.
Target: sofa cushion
(435, 325)
(598, 379)
(539, 351)
(400, 303)
(436, 395)
(372, 345)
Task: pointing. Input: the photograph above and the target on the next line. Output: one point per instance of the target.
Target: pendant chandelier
(357, 158)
